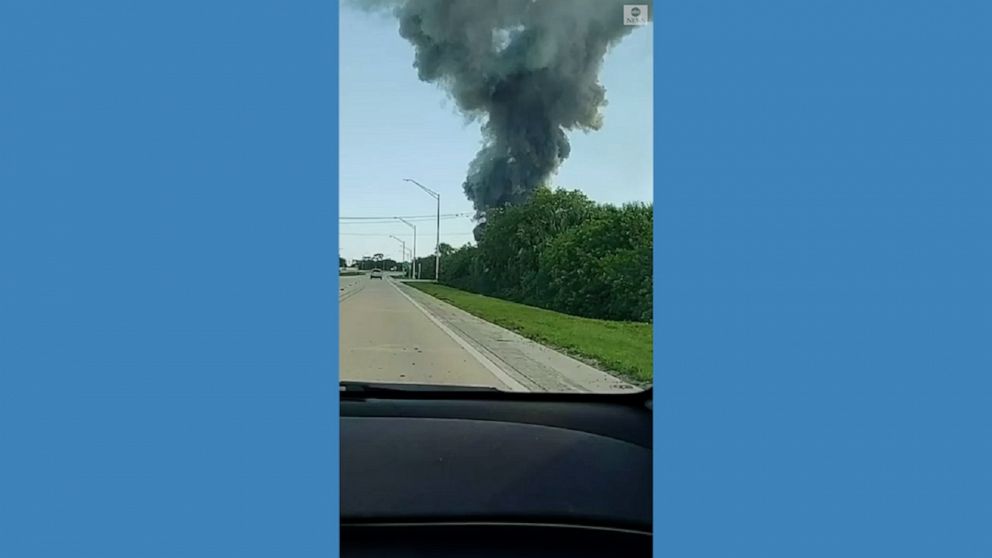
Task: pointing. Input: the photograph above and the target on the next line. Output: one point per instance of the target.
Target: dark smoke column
(527, 69)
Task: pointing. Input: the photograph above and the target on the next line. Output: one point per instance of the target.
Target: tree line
(560, 251)
(378, 261)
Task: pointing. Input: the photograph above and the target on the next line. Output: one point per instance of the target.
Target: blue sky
(394, 126)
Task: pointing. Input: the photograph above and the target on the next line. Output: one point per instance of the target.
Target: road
(385, 337)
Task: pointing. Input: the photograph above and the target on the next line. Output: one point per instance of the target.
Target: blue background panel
(822, 278)
(167, 278)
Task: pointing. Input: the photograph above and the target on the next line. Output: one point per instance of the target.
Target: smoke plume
(527, 69)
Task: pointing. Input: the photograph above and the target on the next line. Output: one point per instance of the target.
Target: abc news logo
(635, 14)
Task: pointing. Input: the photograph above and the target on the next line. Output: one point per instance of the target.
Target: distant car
(376, 274)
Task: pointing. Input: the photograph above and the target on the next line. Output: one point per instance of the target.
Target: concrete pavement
(390, 332)
(531, 364)
(384, 337)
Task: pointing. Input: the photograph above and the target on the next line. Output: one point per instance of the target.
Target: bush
(602, 268)
(563, 252)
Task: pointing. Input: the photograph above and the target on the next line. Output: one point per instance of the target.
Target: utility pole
(437, 242)
(402, 244)
(413, 270)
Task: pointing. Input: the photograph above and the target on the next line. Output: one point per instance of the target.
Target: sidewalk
(533, 365)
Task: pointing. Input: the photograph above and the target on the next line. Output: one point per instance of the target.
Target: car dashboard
(486, 474)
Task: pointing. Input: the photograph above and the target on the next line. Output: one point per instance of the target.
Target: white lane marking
(483, 360)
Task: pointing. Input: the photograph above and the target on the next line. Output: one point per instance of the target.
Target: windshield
(496, 215)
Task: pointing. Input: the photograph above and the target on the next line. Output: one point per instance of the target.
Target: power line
(387, 234)
(392, 221)
(408, 217)
(377, 222)
(370, 222)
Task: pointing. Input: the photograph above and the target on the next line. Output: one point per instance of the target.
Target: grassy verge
(622, 347)
(348, 273)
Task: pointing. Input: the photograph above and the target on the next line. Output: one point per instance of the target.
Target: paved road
(385, 337)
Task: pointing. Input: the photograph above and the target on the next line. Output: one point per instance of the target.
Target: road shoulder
(536, 366)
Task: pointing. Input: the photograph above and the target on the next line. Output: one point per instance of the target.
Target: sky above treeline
(394, 126)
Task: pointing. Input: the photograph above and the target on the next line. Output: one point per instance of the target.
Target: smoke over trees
(528, 70)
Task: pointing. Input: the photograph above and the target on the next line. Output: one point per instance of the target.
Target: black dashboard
(494, 474)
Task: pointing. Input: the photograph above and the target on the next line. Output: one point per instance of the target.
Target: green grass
(621, 347)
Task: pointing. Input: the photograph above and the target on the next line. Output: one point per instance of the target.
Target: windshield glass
(496, 215)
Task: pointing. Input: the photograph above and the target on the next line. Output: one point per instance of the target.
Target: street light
(403, 243)
(413, 272)
(437, 243)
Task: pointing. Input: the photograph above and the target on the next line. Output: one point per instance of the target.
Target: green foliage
(461, 269)
(425, 264)
(516, 236)
(602, 268)
(563, 252)
(379, 262)
(446, 249)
